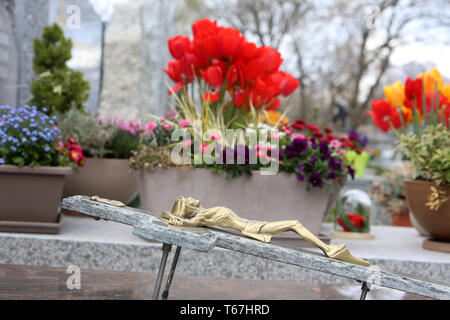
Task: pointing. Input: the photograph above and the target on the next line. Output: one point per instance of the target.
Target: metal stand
(365, 290)
(166, 248)
(171, 273)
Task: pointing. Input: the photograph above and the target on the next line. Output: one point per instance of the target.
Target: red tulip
(381, 114)
(174, 70)
(270, 57)
(235, 74)
(413, 93)
(179, 46)
(213, 76)
(211, 96)
(288, 82)
(229, 43)
(204, 28)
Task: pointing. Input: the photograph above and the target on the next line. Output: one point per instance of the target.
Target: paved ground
(29, 282)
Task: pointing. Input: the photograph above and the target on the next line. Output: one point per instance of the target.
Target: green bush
(56, 87)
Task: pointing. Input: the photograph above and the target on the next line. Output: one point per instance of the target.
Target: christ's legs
(297, 227)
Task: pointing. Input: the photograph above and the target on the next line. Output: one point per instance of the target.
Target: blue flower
(2, 161)
(47, 148)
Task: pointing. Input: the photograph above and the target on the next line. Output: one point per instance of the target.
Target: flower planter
(436, 223)
(264, 198)
(106, 178)
(30, 198)
(401, 219)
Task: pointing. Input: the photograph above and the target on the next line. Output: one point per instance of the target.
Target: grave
(8, 55)
(134, 58)
(31, 17)
(84, 27)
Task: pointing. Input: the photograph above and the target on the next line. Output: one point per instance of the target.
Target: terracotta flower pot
(106, 178)
(30, 198)
(401, 219)
(436, 223)
(264, 198)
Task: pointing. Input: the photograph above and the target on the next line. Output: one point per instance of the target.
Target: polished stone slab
(303, 258)
(46, 283)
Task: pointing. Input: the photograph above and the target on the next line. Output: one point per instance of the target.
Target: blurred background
(343, 52)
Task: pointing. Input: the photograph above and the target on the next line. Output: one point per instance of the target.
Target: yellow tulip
(432, 81)
(395, 94)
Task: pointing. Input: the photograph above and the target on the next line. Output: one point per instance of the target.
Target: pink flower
(335, 144)
(184, 123)
(204, 147)
(275, 136)
(59, 147)
(186, 143)
(341, 152)
(299, 136)
(216, 136)
(171, 114)
(162, 119)
(289, 132)
(150, 126)
(166, 126)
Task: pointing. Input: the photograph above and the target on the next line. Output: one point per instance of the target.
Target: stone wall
(134, 57)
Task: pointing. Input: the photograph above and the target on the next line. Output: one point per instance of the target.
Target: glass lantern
(352, 216)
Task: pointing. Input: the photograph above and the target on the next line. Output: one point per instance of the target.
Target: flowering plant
(424, 100)
(237, 80)
(424, 105)
(29, 137)
(240, 86)
(101, 137)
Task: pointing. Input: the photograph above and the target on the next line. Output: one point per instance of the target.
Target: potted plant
(33, 165)
(57, 88)
(419, 113)
(226, 94)
(107, 145)
(390, 194)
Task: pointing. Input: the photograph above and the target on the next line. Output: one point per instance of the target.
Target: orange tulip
(432, 81)
(446, 91)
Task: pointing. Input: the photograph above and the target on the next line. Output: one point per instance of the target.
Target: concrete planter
(106, 178)
(435, 223)
(30, 198)
(263, 198)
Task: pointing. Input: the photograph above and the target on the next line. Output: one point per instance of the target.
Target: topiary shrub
(56, 87)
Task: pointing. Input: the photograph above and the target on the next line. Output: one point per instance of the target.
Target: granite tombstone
(84, 27)
(8, 55)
